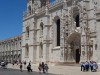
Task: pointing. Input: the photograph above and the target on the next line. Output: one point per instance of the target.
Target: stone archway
(74, 42)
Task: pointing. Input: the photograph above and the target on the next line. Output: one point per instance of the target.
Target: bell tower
(44, 2)
(33, 5)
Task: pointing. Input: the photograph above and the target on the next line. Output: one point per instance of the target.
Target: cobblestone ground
(61, 70)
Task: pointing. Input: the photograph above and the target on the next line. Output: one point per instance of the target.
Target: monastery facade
(65, 31)
(62, 31)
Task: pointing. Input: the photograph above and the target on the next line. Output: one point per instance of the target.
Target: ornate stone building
(65, 31)
(10, 49)
(62, 31)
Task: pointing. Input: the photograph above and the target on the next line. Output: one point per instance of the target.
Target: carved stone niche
(83, 53)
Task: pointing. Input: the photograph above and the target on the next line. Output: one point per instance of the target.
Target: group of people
(28, 66)
(86, 66)
(43, 68)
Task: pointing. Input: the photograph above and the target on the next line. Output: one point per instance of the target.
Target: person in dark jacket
(21, 66)
(46, 68)
(40, 68)
(43, 67)
(29, 67)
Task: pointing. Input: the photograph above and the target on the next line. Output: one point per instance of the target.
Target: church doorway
(77, 55)
(74, 47)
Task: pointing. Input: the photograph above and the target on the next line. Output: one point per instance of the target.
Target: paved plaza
(53, 70)
(18, 72)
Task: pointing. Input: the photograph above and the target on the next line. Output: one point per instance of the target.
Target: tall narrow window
(26, 50)
(20, 44)
(41, 28)
(58, 32)
(27, 32)
(29, 9)
(77, 21)
(95, 46)
(41, 50)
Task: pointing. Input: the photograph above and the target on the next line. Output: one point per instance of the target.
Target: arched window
(26, 50)
(27, 32)
(58, 32)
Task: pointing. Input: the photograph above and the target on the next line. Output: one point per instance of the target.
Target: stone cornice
(98, 15)
(16, 38)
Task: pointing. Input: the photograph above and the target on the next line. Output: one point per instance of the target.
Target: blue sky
(11, 17)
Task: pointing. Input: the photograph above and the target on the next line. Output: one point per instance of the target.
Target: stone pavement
(18, 72)
(61, 70)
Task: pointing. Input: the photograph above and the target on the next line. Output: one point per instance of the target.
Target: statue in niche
(74, 25)
(69, 50)
(36, 6)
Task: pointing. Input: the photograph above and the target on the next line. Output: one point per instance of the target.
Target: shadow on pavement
(18, 72)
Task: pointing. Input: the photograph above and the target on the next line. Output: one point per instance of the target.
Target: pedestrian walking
(24, 64)
(43, 67)
(29, 67)
(21, 66)
(40, 68)
(46, 68)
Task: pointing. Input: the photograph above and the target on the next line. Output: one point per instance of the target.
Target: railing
(55, 3)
